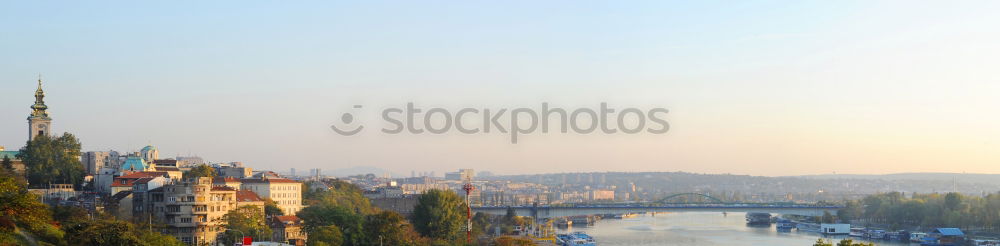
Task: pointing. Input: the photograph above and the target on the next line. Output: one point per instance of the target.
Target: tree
(821, 242)
(7, 170)
(852, 210)
(482, 223)
(850, 242)
(440, 215)
(115, 232)
(67, 215)
(50, 160)
(246, 220)
(157, 239)
(508, 218)
(202, 170)
(271, 208)
(340, 194)
(952, 201)
(7, 164)
(348, 222)
(22, 210)
(390, 228)
(329, 235)
(828, 218)
(102, 232)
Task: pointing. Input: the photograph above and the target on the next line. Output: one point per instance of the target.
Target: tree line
(927, 210)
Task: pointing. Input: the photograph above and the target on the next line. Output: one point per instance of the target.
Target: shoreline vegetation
(898, 211)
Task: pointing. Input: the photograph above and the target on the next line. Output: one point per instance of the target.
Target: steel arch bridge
(712, 198)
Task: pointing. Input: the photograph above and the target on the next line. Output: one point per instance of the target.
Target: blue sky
(756, 87)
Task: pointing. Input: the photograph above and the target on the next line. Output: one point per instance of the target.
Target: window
(185, 220)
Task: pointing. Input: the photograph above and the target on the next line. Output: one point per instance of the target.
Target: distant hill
(359, 170)
(652, 185)
(993, 179)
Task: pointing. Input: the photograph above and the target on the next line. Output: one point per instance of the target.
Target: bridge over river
(574, 210)
(705, 203)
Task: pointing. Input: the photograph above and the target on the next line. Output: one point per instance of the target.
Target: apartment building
(285, 192)
(193, 209)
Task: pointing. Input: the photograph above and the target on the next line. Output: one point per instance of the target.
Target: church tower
(39, 122)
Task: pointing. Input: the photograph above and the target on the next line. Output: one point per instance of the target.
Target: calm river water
(694, 229)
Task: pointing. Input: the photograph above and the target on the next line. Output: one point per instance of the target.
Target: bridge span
(564, 211)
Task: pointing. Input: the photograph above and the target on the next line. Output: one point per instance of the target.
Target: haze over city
(755, 87)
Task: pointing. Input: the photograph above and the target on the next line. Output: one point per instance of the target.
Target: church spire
(38, 109)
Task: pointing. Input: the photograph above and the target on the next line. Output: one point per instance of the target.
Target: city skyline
(814, 88)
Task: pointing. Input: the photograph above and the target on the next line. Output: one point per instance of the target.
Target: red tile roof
(222, 188)
(132, 177)
(269, 180)
(287, 218)
(138, 175)
(127, 183)
(142, 181)
(247, 196)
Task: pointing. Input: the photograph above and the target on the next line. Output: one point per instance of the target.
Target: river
(707, 229)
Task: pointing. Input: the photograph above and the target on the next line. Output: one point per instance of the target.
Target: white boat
(876, 234)
(575, 239)
(857, 232)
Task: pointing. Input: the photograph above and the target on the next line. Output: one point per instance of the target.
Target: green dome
(134, 163)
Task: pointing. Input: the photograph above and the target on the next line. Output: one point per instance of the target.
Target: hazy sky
(754, 87)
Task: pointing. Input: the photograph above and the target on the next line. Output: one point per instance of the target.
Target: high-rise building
(39, 122)
(93, 161)
(461, 175)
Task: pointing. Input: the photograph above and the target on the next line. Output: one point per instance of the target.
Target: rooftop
(222, 188)
(9, 154)
(247, 196)
(138, 175)
(165, 162)
(134, 163)
(949, 231)
(268, 180)
(288, 219)
(143, 180)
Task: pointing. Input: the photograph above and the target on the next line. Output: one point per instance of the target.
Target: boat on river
(758, 218)
(575, 239)
(782, 224)
(860, 232)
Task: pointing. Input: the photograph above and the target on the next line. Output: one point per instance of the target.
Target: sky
(753, 87)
